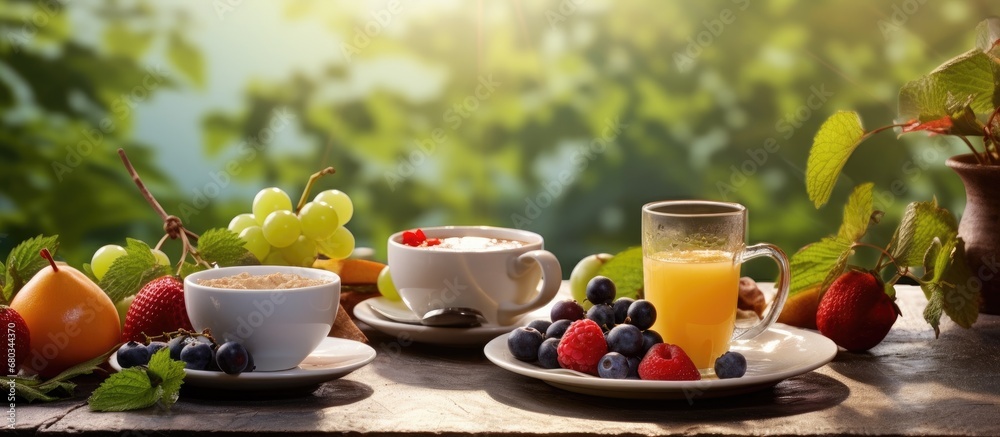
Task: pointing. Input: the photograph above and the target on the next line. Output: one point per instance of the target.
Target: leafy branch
(960, 98)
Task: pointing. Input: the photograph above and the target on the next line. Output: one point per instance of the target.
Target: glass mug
(691, 256)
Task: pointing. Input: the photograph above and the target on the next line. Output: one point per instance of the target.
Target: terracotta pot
(980, 225)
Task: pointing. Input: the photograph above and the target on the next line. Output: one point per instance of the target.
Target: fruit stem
(48, 256)
(312, 180)
(899, 272)
(172, 225)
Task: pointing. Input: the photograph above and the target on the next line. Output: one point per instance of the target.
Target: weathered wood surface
(911, 384)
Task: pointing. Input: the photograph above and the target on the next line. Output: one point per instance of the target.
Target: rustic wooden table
(911, 384)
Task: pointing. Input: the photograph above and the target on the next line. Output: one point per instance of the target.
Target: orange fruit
(70, 319)
(800, 309)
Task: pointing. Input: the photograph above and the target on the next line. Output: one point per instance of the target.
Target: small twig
(312, 180)
(905, 269)
(172, 226)
(979, 159)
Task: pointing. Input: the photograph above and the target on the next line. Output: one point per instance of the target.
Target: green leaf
(949, 284)
(225, 248)
(625, 270)
(833, 144)
(58, 387)
(24, 261)
(130, 272)
(968, 79)
(858, 213)
(169, 372)
(921, 224)
(819, 264)
(217, 131)
(189, 268)
(186, 58)
(988, 35)
(129, 389)
(120, 40)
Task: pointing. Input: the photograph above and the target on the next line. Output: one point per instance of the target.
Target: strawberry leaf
(23, 262)
(988, 36)
(833, 144)
(819, 264)
(921, 224)
(949, 284)
(225, 248)
(32, 389)
(130, 272)
(968, 79)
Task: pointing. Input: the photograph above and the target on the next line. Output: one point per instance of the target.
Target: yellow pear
(70, 319)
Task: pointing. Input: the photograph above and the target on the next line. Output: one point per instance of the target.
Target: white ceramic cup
(279, 328)
(500, 283)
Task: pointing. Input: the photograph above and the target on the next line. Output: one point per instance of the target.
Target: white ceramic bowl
(278, 327)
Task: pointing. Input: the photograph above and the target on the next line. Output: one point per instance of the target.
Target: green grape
(340, 202)
(103, 259)
(270, 200)
(319, 220)
(161, 258)
(584, 271)
(241, 222)
(254, 241)
(339, 245)
(301, 253)
(282, 228)
(275, 259)
(385, 285)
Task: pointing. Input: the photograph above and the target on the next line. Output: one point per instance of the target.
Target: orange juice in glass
(692, 251)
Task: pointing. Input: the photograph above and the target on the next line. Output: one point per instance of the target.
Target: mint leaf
(922, 222)
(24, 261)
(170, 373)
(225, 248)
(129, 273)
(819, 264)
(988, 35)
(129, 389)
(625, 270)
(140, 387)
(833, 144)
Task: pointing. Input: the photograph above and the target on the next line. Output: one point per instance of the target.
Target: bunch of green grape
(276, 235)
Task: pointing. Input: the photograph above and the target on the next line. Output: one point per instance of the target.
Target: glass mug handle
(775, 253)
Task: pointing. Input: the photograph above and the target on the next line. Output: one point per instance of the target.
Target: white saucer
(779, 353)
(427, 334)
(332, 359)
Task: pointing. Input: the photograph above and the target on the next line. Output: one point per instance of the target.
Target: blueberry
(613, 365)
(626, 340)
(250, 365)
(641, 314)
(603, 315)
(176, 344)
(155, 346)
(730, 365)
(524, 343)
(232, 358)
(548, 356)
(568, 309)
(649, 338)
(132, 354)
(540, 325)
(621, 309)
(196, 355)
(600, 290)
(633, 367)
(558, 328)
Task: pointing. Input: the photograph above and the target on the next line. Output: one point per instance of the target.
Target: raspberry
(668, 362)
(582, 347)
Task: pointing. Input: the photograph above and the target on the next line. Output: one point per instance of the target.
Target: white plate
(779, 353)
(332, 359)
(427, 334)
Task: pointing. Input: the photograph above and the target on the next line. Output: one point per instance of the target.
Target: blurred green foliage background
(562, 117)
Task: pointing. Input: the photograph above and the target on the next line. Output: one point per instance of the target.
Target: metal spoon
(444, 317)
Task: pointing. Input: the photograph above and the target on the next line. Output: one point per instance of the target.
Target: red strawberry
(582, 347)
(157, 308)
(668, 362)
(16, 339)
(855, 312)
